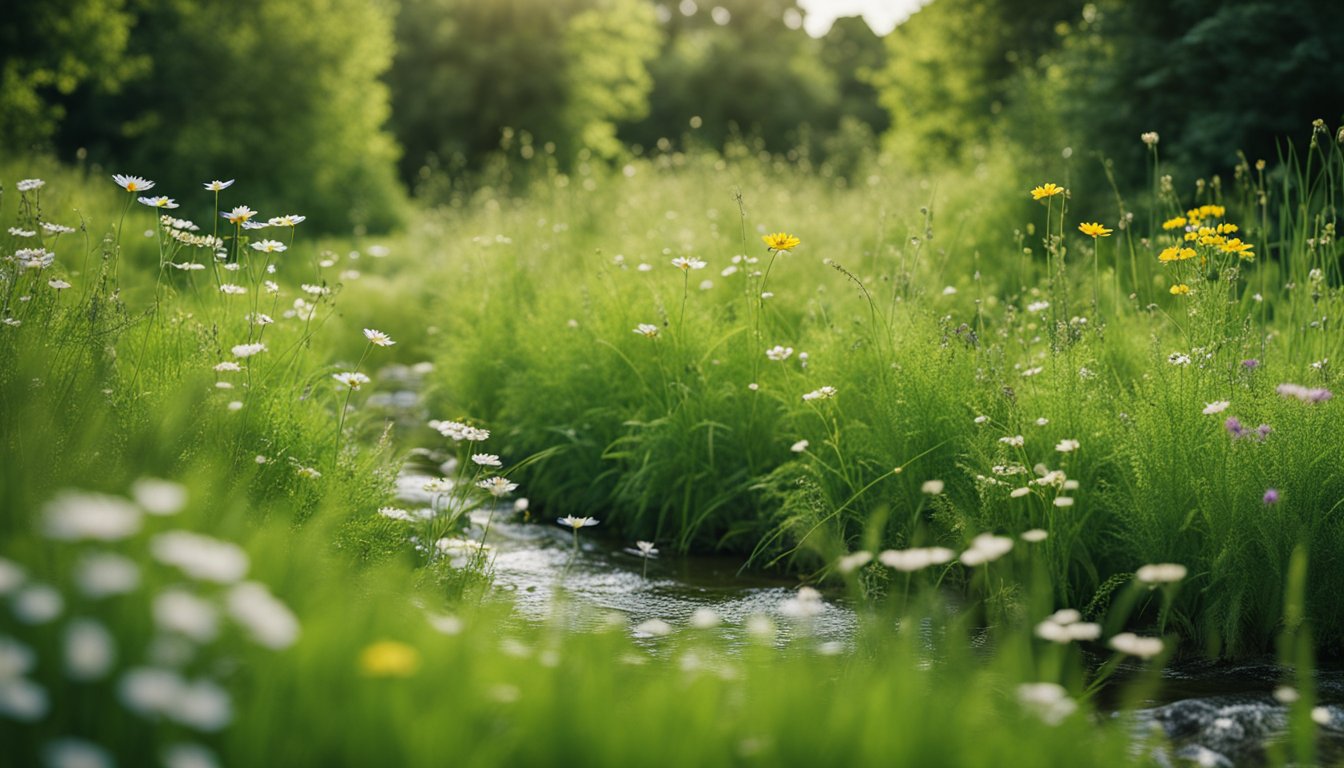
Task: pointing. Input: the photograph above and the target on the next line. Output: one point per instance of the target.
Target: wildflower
(1134, 645)
(389, 658)
(577, 522)
(1271, 496)
(158, 202)
(1038, 306)
(1149, 138)
(1063, 501)
(1180, 289)
(853, 561)
(16, 232)
(1016, 441)
(28, 185)
(269, 246)
(1018, 493)
(352, 379)
(228, 366)
(986, 548)
(780, 241)
(1066, 626)
(200, 557)
(1094, 230)
(159, 497)
(1160, 573)
(288, 220)
(779, 353)
(647, 330)
(1034, 536)
(103, 574)
(248, 350)
(1176, 254)
(1048, 701)
(232, 290)
(486, 460)
(915, 559)
(254, 225)
(1234, 427)
(1304, 394)
(646, 549)
(378, 338)
(767, 294)
(37, 604)
(1067, 446)
(58, 284)
(1178, 358)
(804, 605)
(1049, 189)
(500, 487)
(932, 487)
(799, 446)
(132, 183)
(238, 214)
(57, 229)
(76, 516)
(685, 264)
(824, 393)
(1217, 406)
(180, 612)
(218, 186)
(1235, 245)
(269, 622)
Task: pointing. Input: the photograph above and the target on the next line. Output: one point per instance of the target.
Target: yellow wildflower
(389, 658)
(1235, 245)
(1180, 289)
(1176, 254)
(1049, 189)
(1224, 229)
(1093, 229)
(781, 241)
(1175, 223)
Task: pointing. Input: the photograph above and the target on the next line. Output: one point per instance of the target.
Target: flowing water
(1212, 714)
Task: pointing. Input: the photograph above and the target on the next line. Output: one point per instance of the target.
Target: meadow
(1042, 448)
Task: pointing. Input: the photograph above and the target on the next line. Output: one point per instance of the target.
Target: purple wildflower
(1271, 496)
(1234, 428)
(1250, 364)
(1305, 394)
(1262, 431)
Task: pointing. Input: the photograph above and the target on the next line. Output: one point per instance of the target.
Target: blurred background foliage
(366, 100)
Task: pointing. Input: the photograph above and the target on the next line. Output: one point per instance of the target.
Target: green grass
(529, 316)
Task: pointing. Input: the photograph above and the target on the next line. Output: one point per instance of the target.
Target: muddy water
(1209, 714)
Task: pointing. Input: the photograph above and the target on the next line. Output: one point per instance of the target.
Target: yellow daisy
(781, 241)
(1049, 189)
(1093, 229)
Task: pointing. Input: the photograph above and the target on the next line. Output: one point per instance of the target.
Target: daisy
(378, 338)
(686, 264)
(486, 460)
(132, 183)
(217, 186)
(269, 246)
(1049, 189)
(351, 379)
(648, 330)
(499, 487)
(289, 220)
(158, 202)
(238, 215)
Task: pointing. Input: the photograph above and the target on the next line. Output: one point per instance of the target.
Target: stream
(1211, 713)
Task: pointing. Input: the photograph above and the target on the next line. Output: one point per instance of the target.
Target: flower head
(351, 379)
(646, 549)
(132, 183)
(498, 486)
(648, 330)
(378, 338)
(216, 186)
(269, 246)
(288, 220)
(1093, 229)
(780, 241)
(238, 214)
(686, 264)
(486, 460)
(28, 185)
(1049, 189)
(1217, 406)
(824, 393)
(576, 523)
(1271, 496)
(1180, 289)
(158, 202)
(779, 353)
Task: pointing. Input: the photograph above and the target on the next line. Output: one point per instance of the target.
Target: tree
(51, 48)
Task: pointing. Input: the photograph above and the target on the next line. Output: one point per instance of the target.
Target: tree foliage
(563, 71)
(49, 49)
